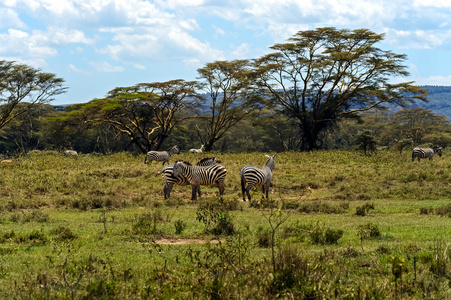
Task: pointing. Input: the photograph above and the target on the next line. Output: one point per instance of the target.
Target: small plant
(148, 223)
(364, 209)
(263, 237)
(426, 210)
(180, 225)
(62, 234)
(325, 236)
(397, 268)
(224, 224)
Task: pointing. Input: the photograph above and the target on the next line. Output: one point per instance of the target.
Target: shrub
(364, 209)
(263, 237)
(147, 223)
(63, 233)
(325, 236)
(369, 230)
(180, 225)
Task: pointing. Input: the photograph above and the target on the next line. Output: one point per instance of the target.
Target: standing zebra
(163, 156)
(252, 176)
(200, 150)
(198, 176)
(169, 179)
(418, 152)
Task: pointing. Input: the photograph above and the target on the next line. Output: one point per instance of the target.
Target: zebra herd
(208, 172)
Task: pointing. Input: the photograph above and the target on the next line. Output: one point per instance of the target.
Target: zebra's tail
(243, 187)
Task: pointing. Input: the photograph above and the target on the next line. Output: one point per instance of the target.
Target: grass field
(337, 225)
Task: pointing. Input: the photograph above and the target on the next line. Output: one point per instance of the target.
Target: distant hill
(439, 100)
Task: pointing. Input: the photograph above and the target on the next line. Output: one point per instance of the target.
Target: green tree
(23, 88)
(146, 113)
(417, 122)
(324, 75)
(365, 141)
(25, 132)
(233, 98)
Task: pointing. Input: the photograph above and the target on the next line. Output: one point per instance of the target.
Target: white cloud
(75, 69)
(418, 39)
(106, 67)
(9, 18)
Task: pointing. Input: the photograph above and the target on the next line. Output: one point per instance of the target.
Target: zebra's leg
(168, 188)
(221, 187)
(194, 192)
(198, 190)
(267, 185)
(249, 187)
(243, 188)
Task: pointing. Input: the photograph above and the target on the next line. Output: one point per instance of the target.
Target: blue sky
(97, 45)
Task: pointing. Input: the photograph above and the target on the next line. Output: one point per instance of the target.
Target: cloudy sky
(97, 45)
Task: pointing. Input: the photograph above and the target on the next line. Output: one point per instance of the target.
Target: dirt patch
(184, 241)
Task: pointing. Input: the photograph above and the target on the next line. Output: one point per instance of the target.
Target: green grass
(90, 228)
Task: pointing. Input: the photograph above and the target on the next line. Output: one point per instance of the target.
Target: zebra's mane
(206, 158)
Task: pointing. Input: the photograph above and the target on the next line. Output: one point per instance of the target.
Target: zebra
(71, 153)
(169, 179)
(252, 176)
(198, 176)
(418, 152)
(200, 150)
(163, 156)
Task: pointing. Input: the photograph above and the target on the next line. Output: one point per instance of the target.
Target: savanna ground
(337, 225)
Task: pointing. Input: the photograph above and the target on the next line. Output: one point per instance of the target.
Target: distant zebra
(71, 153)
(169, 179)
(252, 176)
(425, 152)
(163, 156)
(198, 176)
(200, 150)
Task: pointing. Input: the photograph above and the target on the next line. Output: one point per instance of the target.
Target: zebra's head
(179, 166)
(175, 149)
(270, 163)
(438, 150)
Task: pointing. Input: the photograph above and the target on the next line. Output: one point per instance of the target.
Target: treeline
(48, 128)
(322, 89)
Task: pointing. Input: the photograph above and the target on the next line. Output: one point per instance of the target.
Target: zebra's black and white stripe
(419, 153)
(163, 156)
(252, 176)
(198, 176)
(169, 179)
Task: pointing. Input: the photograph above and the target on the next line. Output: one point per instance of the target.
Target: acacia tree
(417, 122)
(27, 86)
(146, 112)
(321, 76)
(233, 97)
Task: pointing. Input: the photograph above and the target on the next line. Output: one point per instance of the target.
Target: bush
(180, 225)
(364, 209)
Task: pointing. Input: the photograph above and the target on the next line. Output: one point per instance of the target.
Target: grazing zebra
(163, 156)
(425, 152)
(198, 176)
(200, 150)
(252, 176)
(71, 153)
(169, 179)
